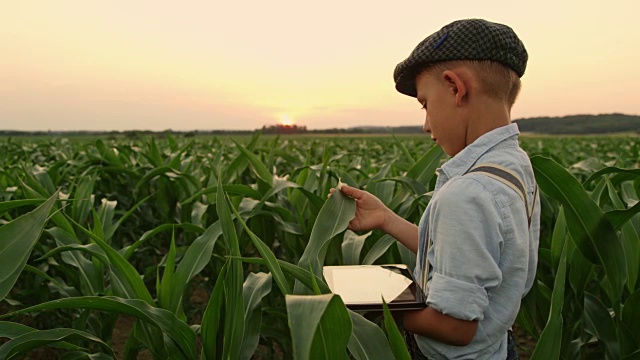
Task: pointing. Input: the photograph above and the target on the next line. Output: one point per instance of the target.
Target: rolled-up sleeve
(466, 227)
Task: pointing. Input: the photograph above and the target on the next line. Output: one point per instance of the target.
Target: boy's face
(444, 120)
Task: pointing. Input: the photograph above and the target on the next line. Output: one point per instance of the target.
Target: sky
(204, 65)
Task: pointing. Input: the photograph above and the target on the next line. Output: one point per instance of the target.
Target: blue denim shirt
(484, 254)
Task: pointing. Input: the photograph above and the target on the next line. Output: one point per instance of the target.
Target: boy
(477, 241)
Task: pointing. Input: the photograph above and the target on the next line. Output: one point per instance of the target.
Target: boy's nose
(426, 127)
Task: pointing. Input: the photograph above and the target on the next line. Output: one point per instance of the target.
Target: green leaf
(83, 193)
(254, 289)
(550, 342)
(302, 275)
(378, 249)
(620, 217)
(235, 189)
(630, 242)
(177, 331)
(320, 326)
(630, 315)
(558, 238)
(598, 322)
(193, 262)
(367, 341)
(425, 168)
(589, 228)
(91, 280)
(404, 150)
(13, 330)
(234, 311)
(17, 239)
(258, 166)
(234, 307)
(212, 328)
(629, 173)
(352, 246)
(267, 255)
(334, 217)
(398, 346)
(13, 204)
(124, 275)
(166, 284)
(226, 222)
(24, 343)
(128, 251)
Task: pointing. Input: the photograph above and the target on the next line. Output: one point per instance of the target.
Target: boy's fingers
(352, 192)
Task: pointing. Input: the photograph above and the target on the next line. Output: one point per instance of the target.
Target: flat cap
(470, 39)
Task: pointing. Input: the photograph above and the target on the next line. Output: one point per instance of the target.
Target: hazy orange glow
(287, 120)
(236, 65)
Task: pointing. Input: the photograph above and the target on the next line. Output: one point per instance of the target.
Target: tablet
(362, 287)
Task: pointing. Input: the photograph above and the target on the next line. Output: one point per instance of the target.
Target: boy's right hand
(371, 213)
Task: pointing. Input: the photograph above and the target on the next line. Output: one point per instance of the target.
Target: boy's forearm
(440, 327)
(402, 230)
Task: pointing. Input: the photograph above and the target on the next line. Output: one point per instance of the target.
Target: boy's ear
(456, 85)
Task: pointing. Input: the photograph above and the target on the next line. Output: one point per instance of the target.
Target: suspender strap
(510, 179)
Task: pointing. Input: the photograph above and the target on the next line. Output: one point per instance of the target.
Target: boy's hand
(370, 211)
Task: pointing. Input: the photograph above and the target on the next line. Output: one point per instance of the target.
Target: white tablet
(362, 287)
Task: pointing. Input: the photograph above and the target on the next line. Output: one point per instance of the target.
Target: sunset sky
(120, 65)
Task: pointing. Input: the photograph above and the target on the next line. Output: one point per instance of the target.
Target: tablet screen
(368, 284)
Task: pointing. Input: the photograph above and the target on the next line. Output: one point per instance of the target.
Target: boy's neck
(486, 116)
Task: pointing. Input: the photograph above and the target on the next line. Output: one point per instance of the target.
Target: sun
(286, 120)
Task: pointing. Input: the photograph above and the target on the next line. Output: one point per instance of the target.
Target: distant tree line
(573, 124)
(581, 124)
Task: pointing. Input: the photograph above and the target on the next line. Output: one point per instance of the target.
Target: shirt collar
(464, 160)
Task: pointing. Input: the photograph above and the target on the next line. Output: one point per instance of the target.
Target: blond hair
(496, 80)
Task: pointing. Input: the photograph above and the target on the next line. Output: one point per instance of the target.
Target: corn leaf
(302, 275)
(378, 249)
(35, 339)
(194, 260)
(11, 330)
(267, 255)
(367, 341)
(598, 322)
(165, 286)
(320, 326)
(550, 342)
(8, 205)
(352, 246)
(620, 217)
(627, 174)
(630, 316)
(212, 328)
(404, 150)
(128, 251)
(235, 189)
(234, 306)
(333, 218)
(258, 166)
(176, 330)
(425, 168)
(234, 311)
(124, 276)
(398, 346)
(254, 289)
(630, 242)
(17, 239)
(591, 231)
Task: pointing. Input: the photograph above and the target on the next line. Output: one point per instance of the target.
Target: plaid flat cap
(471, 39)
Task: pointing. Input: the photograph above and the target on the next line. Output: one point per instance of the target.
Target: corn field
(92, 231)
